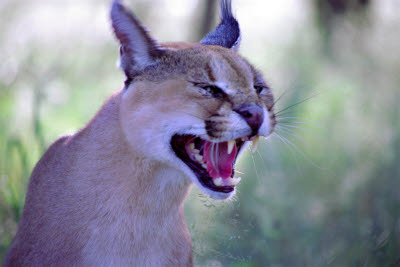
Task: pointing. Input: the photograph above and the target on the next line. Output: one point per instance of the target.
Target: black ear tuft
(227, 33)
(138, 50)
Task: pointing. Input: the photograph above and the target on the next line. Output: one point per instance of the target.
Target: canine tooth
(217, 181)
(191, 146)
(235, 181)
(199, 158)
(204, 166)
(231, 144)
(255, 143)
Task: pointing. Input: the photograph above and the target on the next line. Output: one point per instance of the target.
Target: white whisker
(283, 140)
(239, 171)
(297, 118)
(259, 154)
(289, 132)
(301, 128)
(301, 153)
(255, 168)
(302, 122)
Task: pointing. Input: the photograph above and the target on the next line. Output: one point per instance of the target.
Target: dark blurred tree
(204, 19)
(329, 12)
(209, 9)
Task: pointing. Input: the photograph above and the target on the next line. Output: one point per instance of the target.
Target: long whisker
(259, 154)
(297, 118)
(289, 112)
(279, 97)
(239, 171)
(286, 126)
(304, 155)
(255, 168)
(288, 146)
(302, 122)
(291, 133)
(297, 103)
(290, 121)
(286, 130)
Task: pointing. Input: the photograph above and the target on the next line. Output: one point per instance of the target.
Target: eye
(213, 90)
(259, 88)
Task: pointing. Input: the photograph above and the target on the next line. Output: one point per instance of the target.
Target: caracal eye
(259, 88)
(213, 91)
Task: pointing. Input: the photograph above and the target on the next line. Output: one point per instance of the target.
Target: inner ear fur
(138, 49)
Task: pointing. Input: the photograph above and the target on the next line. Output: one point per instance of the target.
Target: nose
(253, 114)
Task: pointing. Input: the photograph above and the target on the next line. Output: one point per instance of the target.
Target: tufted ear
(227, 33)
(138, 50)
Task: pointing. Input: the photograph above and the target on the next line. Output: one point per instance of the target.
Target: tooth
(217, 181)
(191, 146)
(204, 166)
(255, 143)
(235, 181)
(199, 158)
(196, 151)
(231, 144)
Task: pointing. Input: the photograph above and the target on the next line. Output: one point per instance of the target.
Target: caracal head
(192, 106)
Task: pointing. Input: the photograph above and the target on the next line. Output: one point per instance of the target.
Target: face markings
(208, 70)
(232, 71)
(232, 74)
(236, 77)
(201, 66)
(215, 127)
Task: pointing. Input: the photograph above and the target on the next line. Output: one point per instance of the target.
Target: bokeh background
(323, 191)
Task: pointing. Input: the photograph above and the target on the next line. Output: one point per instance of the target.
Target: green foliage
(324, 193)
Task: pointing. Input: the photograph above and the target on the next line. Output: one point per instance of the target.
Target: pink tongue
(219, 162)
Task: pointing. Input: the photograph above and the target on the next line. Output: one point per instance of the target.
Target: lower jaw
(208, 184)
(217, 195)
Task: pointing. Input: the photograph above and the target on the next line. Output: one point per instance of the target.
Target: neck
(134, 201)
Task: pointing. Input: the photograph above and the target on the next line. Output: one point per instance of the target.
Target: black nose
(253, 115)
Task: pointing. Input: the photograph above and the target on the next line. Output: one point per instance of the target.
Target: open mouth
(213, 163)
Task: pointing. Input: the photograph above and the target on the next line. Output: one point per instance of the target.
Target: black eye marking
(211, 90)
(259, 88)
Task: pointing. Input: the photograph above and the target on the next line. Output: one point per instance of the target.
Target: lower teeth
(227, 182)
(217, 181)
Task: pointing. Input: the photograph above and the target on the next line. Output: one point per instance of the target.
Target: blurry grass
(17, 161)
(14, 172)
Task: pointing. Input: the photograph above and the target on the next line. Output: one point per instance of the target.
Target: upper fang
(255, 143)
(231, 144)
(191, 146)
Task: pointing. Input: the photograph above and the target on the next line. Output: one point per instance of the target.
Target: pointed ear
(138, 50)
(227, 33)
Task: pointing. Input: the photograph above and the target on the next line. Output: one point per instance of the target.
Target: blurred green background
(324, 191)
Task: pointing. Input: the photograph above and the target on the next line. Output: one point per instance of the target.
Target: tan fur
(112, 194)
